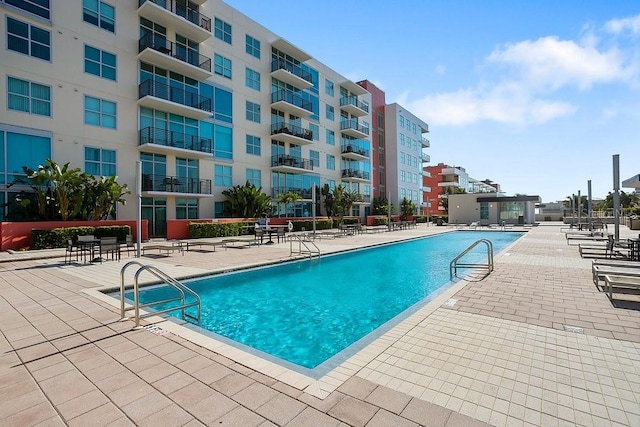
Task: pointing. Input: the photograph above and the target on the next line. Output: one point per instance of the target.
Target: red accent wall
(432, 182)
(17, 235)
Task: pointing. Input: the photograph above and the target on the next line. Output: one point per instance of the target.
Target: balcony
(172, 56)
(363, 198)
(355, 175)
(356, 149)
(163, 97)
(286, 163)
(425, 157)
(176, 185)
(293, 134)
(290, 73)
(172, 14)
(426, 189)
(425, 143)
(354, 107)
(291, 102)
(305, 193)
(164, 141)
(354, 129)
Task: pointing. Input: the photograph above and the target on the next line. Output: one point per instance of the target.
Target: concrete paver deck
(534, 343)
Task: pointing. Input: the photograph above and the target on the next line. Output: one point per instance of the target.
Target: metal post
(313, 206)
(139, 208)
(389, 211)
(616, 196)
(579, 209)
(589, 211)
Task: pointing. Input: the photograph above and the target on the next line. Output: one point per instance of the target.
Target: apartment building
(198, 93)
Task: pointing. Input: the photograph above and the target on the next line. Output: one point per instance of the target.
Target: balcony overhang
(290, 78)
(292, 169)
(355, 133)
(353, 110)
(354, 88)
(172, 107)
(354, 179)
(198, 2)
(168, 62)
(633, 182)
(167, 18)
(167, 149)
(291, 108)
(286, 47)
(175, 194)
(354, 156)
(291, 139)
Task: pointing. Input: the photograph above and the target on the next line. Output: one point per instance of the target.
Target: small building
(492, 208)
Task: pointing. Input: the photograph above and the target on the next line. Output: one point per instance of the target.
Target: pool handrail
(302, 240)
(453, 265)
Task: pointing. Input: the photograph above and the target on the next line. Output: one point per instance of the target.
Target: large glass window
(222, 66)
(331, 137)
(252, 79)
(252, 46)
(254, 176)
(253, 112)
(484, 210)
(99, 161)
(330, 113)
(314, 156)
(29, 97)
(222, 30)
(24, 150)
(222, 176)
(328, 87)
(41, 8)
(99, 112)
(186, 208)
(100, 14)
(99, 63)
(253, 145)
(315, 131)
(28, 39)
(222, 142)
(331, 162)
(511, 211)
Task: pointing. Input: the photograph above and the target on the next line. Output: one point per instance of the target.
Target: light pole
(428, 210)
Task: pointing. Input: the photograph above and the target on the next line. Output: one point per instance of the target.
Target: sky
(535, 95)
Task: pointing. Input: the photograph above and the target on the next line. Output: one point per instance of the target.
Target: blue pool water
(306, 312)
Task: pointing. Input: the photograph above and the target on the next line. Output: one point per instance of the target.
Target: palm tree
(246, 201)
(287, 198)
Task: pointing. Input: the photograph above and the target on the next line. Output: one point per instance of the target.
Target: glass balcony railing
(153, 135)
(356, 146)
(305, 193)
(175, 184)
(174, 50)
(353, 124)
(296, 70)
(164, 91)
(291, 129)
(180, 9)
(353, 100)
(291, 161)
(355, 173)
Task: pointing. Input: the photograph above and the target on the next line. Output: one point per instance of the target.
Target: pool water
(306, 312)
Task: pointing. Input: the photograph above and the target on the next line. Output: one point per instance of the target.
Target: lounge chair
(620, 282)
(599, 271)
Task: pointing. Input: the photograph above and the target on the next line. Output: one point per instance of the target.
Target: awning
(633, 182)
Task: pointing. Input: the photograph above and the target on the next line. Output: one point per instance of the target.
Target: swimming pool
(306, 313)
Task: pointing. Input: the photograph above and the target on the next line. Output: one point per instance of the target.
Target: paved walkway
(535, 343)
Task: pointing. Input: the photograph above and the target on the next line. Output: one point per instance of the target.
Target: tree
(339, 200)
(107, 193)
(246, 201)
(444, 197)
(407, 208)
(288, 198)
(380, 206)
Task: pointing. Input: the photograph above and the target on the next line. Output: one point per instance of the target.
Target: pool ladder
(170, 281)
(454, 265)
(303, 241)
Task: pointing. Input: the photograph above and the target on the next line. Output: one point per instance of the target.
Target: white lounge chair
(620, 282)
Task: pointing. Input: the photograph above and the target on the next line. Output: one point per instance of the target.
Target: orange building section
(432, 197)
(378, 174)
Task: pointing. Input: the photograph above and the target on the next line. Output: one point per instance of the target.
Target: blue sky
(535, 95)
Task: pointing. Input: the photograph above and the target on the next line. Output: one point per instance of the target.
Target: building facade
(198, 93)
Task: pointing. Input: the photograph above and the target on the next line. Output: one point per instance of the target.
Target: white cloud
(617, 26)
(550, 63)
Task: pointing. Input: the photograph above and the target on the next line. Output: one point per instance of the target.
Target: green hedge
(57, 237)
(380, 220)
(321, 224)
(222, 229)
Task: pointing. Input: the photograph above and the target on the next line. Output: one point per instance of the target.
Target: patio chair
(129, 244)
(259, 234)
(280, 234)
(69, 251)
(109, 246)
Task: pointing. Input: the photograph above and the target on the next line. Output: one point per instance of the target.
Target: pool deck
(534, 343)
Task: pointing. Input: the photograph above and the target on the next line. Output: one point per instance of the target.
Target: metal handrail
(170, 281)
(302, 243)
(453, 265)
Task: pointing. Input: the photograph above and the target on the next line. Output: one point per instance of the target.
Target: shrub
(214, 229)
(380, 220)
(57, 237)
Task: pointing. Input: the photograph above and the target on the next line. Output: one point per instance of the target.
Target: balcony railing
(425, 142)
(291, 129)
(290, 98)
(305, 193)
(291, 161)
(296, 70)
(353, 100)
(174, 50)
(354, 173)
(355, 146)
(353, 124)
(153, 135)
(175, 184)
(150, 87)
(179, 9)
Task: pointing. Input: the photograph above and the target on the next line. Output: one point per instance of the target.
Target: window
(252, 46)
(314, 156)
(222, 66)
(403, 176)
(402, 139)
(402, 158)
(254, 177)
(186, 208)
(330, 112)
(315, 131)
(331, 162)
(99, 14)
(222, 175)
(100, 162)
(28, 39)
(223, 142)
(19, 150)
(37, 7)
(401, 121)
(252, 79)
(99, 63)
(253, 145)
(331, 137)
(222, 30)
(99, 112)
(29, 97)
(253, 112)
(328, 87)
